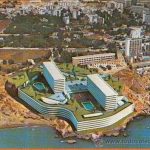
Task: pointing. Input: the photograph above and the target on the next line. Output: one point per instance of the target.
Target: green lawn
(78, 70)
(29, 90)
(22, 77)
(33, 24)
(115, 84)
(19, 79)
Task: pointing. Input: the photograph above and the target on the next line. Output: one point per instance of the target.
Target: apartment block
(133, 47)
(89, 59)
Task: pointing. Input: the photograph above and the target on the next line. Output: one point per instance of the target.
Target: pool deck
(88, 103)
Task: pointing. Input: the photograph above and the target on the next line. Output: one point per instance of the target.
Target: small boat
(33, 129)
(62, 141)
(125, 134)
(71, 141)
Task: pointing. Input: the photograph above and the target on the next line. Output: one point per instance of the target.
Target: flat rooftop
(102, 85)
(53, 70)
(96, 55)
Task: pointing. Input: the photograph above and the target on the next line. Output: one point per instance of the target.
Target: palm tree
(119, 88)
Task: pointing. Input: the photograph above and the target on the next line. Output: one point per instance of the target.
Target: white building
(89, 59)
(133, 47)
(94, 18)
(35, 1)
(66, 20)
(138, 9)
(105, 95)
(115, 5)
(146, 17)
(135, 32)
(133, 44)
(54, 77)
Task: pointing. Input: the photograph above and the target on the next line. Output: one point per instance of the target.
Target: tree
(11, 61)
(109, 67)
(4, 62)
(66, 56)
(119, 88)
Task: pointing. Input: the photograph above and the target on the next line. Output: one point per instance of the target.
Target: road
(23, 48)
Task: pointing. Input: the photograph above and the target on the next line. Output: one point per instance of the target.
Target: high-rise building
(54, 77)
(135, 32)
(105, 95)
(146, 17)
(133, 47)
(133, 44)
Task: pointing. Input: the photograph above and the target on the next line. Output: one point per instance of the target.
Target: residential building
(35, 1)
(89, 59)
(133, 47)
(135, 32)
(146, 17)
(105, 95)
(133, 44)
(126, 3)
(146, 47)
(115, 5)
(143, 2)
(54, 77)
(138, 9)
(66, 20)
(94, 18)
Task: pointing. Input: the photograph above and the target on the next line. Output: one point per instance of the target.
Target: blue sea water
(138, 135)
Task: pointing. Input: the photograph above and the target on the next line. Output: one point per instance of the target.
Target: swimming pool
(146, 58)
(88, 106)
(39, 86)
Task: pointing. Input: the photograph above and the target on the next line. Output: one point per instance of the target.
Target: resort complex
(93, 103)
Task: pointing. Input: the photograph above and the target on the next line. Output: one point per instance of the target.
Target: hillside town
(57, 52)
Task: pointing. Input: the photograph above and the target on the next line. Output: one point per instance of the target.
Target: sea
(136, 135)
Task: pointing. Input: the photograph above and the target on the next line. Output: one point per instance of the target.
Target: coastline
(14, 114)
(72, 134)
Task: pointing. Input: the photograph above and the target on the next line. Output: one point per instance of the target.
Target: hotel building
(89, 59)
(105, 95)
(54, 77)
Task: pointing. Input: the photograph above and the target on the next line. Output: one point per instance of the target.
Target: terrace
(29, 82)
(19, 79)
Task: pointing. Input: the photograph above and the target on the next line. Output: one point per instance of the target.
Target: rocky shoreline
(65, 130)
(13, 114)
(97, 135)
